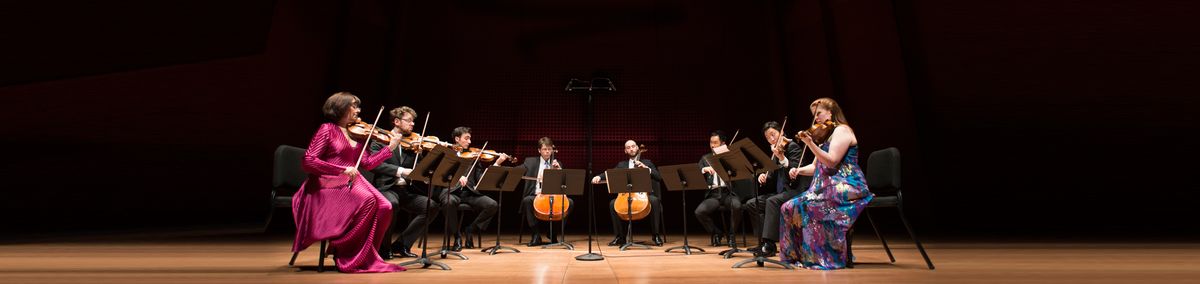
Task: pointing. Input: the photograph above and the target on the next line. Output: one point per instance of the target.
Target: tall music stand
(760, 162)
(447, 174)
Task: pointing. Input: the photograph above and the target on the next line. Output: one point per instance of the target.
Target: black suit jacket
(742, 189)
(531, 170)
(472, 179)
(792, 152)
(385, 173)
(655, 176)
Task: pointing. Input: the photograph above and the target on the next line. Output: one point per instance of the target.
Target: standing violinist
(786, 156)
(464, 192)
(533, 168)
(391, 178)
(632, 150)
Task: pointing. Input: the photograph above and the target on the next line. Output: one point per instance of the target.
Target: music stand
(423, 172)
(447, 174)
(760, 162)
(564, 182)
(683, 177)
(731, 166)
(629, 181)
(501, 179)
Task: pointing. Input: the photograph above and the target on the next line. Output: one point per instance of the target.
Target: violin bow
(365, 146)
(417, 158)
(472, 169)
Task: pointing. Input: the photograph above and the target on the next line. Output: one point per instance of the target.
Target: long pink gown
(353, 219)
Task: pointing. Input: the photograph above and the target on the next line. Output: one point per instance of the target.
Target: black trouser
(414, 205)
(655, 216)
(714, 201)
(483, 204)
(767, 227)
(536, 224)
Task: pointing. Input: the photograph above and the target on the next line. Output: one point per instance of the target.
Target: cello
(543, 204)
(637, 204)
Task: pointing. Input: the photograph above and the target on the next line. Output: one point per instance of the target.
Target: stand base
(564, 245)
(687, 249)
(760, 260)
(446, 251)
(729, 252)
(493, 250)
(627, 245)
(589, 257)
(426, 263)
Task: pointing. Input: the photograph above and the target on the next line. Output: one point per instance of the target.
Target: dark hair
(336, 105)
(720, 136)
(545, 141)
(770, 125)
(398, 113)
(459, 131)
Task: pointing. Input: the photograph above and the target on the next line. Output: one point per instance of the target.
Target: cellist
(534, 166)
(636, 161)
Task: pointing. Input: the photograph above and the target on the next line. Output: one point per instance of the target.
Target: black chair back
(883, 171)
(288, 173)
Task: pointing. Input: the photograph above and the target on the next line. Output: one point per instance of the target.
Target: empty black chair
(883, 178)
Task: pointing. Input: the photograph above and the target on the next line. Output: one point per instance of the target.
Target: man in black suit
(721, 194)
(632, 149)
(787, 157)
(533, 169)
(464, 192)
(391, 180)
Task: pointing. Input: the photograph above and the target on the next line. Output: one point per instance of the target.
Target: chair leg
(321, 258)
(293, 261)
(521, 229)
(914, 237)
(849, 245)
(879, 235)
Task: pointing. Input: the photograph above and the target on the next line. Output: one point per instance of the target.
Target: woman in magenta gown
(352, 218)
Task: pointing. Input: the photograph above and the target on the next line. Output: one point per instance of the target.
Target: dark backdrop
(1047, 119)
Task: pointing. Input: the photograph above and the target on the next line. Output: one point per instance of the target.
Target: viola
(360, 130)
(819, 131)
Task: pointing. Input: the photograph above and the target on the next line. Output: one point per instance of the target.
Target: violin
(360, 130)
(486, 156)
(819, 131)
(636, 205)
(414, 142)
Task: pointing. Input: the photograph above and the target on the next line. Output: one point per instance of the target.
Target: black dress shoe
(716, 240)
(732, 241)
(536, 242)
(657, 239)
(404, 253)
(768, 250)
(457, 246)
(385, 255)
(756, 250)
(470, 238)
(616, 242)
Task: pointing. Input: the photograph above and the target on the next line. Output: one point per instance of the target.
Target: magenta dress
(353, 219)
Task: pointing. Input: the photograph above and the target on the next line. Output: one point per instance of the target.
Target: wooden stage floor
(254, 258)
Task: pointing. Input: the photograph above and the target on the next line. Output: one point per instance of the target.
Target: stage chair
(883, 178)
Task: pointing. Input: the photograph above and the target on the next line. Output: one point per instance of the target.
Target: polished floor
(255, 258)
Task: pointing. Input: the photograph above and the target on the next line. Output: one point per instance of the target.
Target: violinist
(721, 194)
(464, 192)
(633, 150)
(335, 202)
(533, 168)
(786, 154)
(391, 178)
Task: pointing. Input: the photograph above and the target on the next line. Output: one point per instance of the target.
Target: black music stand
(629, 181)
(565, 182)
(447, 174)
(683, 177)
(501, 179)
(731, 166)
(760, 162)
(423, 172)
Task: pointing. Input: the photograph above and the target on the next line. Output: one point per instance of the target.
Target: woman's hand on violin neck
(350, 171)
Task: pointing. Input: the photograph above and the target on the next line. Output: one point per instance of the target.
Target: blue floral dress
(813, 226)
